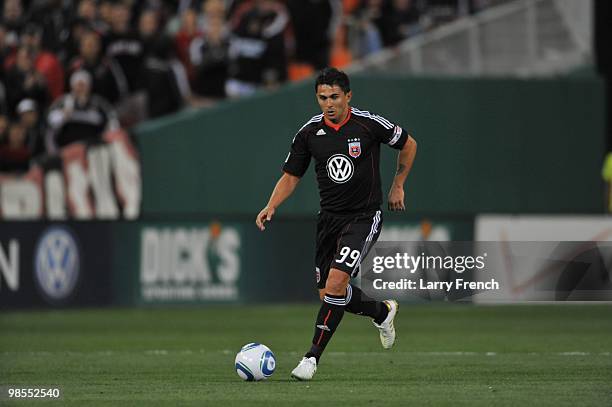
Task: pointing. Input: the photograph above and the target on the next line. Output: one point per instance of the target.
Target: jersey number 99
(348, 256)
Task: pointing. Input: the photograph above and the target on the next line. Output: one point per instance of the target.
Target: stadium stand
(150, 58)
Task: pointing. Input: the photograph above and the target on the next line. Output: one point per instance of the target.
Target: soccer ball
(255, 362)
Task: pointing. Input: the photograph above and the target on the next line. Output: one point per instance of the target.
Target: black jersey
(85, 123)
(128, 50)
(347, 159)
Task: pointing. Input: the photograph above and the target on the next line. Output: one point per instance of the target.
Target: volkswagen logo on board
(56, 264)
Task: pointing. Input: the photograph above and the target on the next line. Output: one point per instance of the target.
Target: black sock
(330, 315)
(359, 303)
(315, 351)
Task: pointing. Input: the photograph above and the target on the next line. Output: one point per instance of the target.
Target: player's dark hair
(331, 77)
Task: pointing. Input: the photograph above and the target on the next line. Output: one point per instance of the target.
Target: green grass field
(445, 355)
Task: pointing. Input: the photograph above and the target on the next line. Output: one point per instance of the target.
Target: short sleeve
(394, 136)
(298, 159)
(385, 131)
(397, 138)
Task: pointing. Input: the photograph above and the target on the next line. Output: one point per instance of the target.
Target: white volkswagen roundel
(339, 168)
(56, 263)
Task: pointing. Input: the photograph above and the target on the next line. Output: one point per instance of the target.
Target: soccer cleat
(305, 369)
(386, 329)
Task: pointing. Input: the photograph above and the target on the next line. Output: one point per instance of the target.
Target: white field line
(166, 352)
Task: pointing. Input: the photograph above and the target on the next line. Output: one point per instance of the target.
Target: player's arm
(294, 168)
(283, 190)
(405, 158)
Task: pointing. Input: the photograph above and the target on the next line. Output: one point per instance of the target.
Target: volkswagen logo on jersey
(339, 168)
(354, 146)
(56, 264)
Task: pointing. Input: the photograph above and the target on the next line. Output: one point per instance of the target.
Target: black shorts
(344, 241)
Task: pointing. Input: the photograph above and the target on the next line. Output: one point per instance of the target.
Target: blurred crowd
(71, 69)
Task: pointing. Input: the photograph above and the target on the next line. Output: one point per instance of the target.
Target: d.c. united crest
(354, 146)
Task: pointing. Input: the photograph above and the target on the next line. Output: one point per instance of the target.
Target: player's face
(333, 102)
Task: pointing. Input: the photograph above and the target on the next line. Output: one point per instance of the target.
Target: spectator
(86, 19)
(105, 16)
(78, 115)
(44, 62)
(78, 27)
(125, 46)
(14, 153)
(164, 10)
(13, 21)
(606, 174)
(186, 33)
(236, 57)
(3, 102)
(4, 124)
(53, 19)
(211, 10)
(366, 36)
(257, 47)
(402, 22)
(29, 117)
(167, 84)
(166, 80)
(88, 12)
(24, 82)
(5, 51)
(314, 26)
(108, 79)
(149, 32)
(209, 57)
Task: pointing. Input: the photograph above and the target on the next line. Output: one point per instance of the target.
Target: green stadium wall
(484, 145)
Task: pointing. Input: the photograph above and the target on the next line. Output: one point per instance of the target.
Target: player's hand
(396, 199)
(264, 216)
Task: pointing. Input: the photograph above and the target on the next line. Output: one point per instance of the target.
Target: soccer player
(345, 144)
